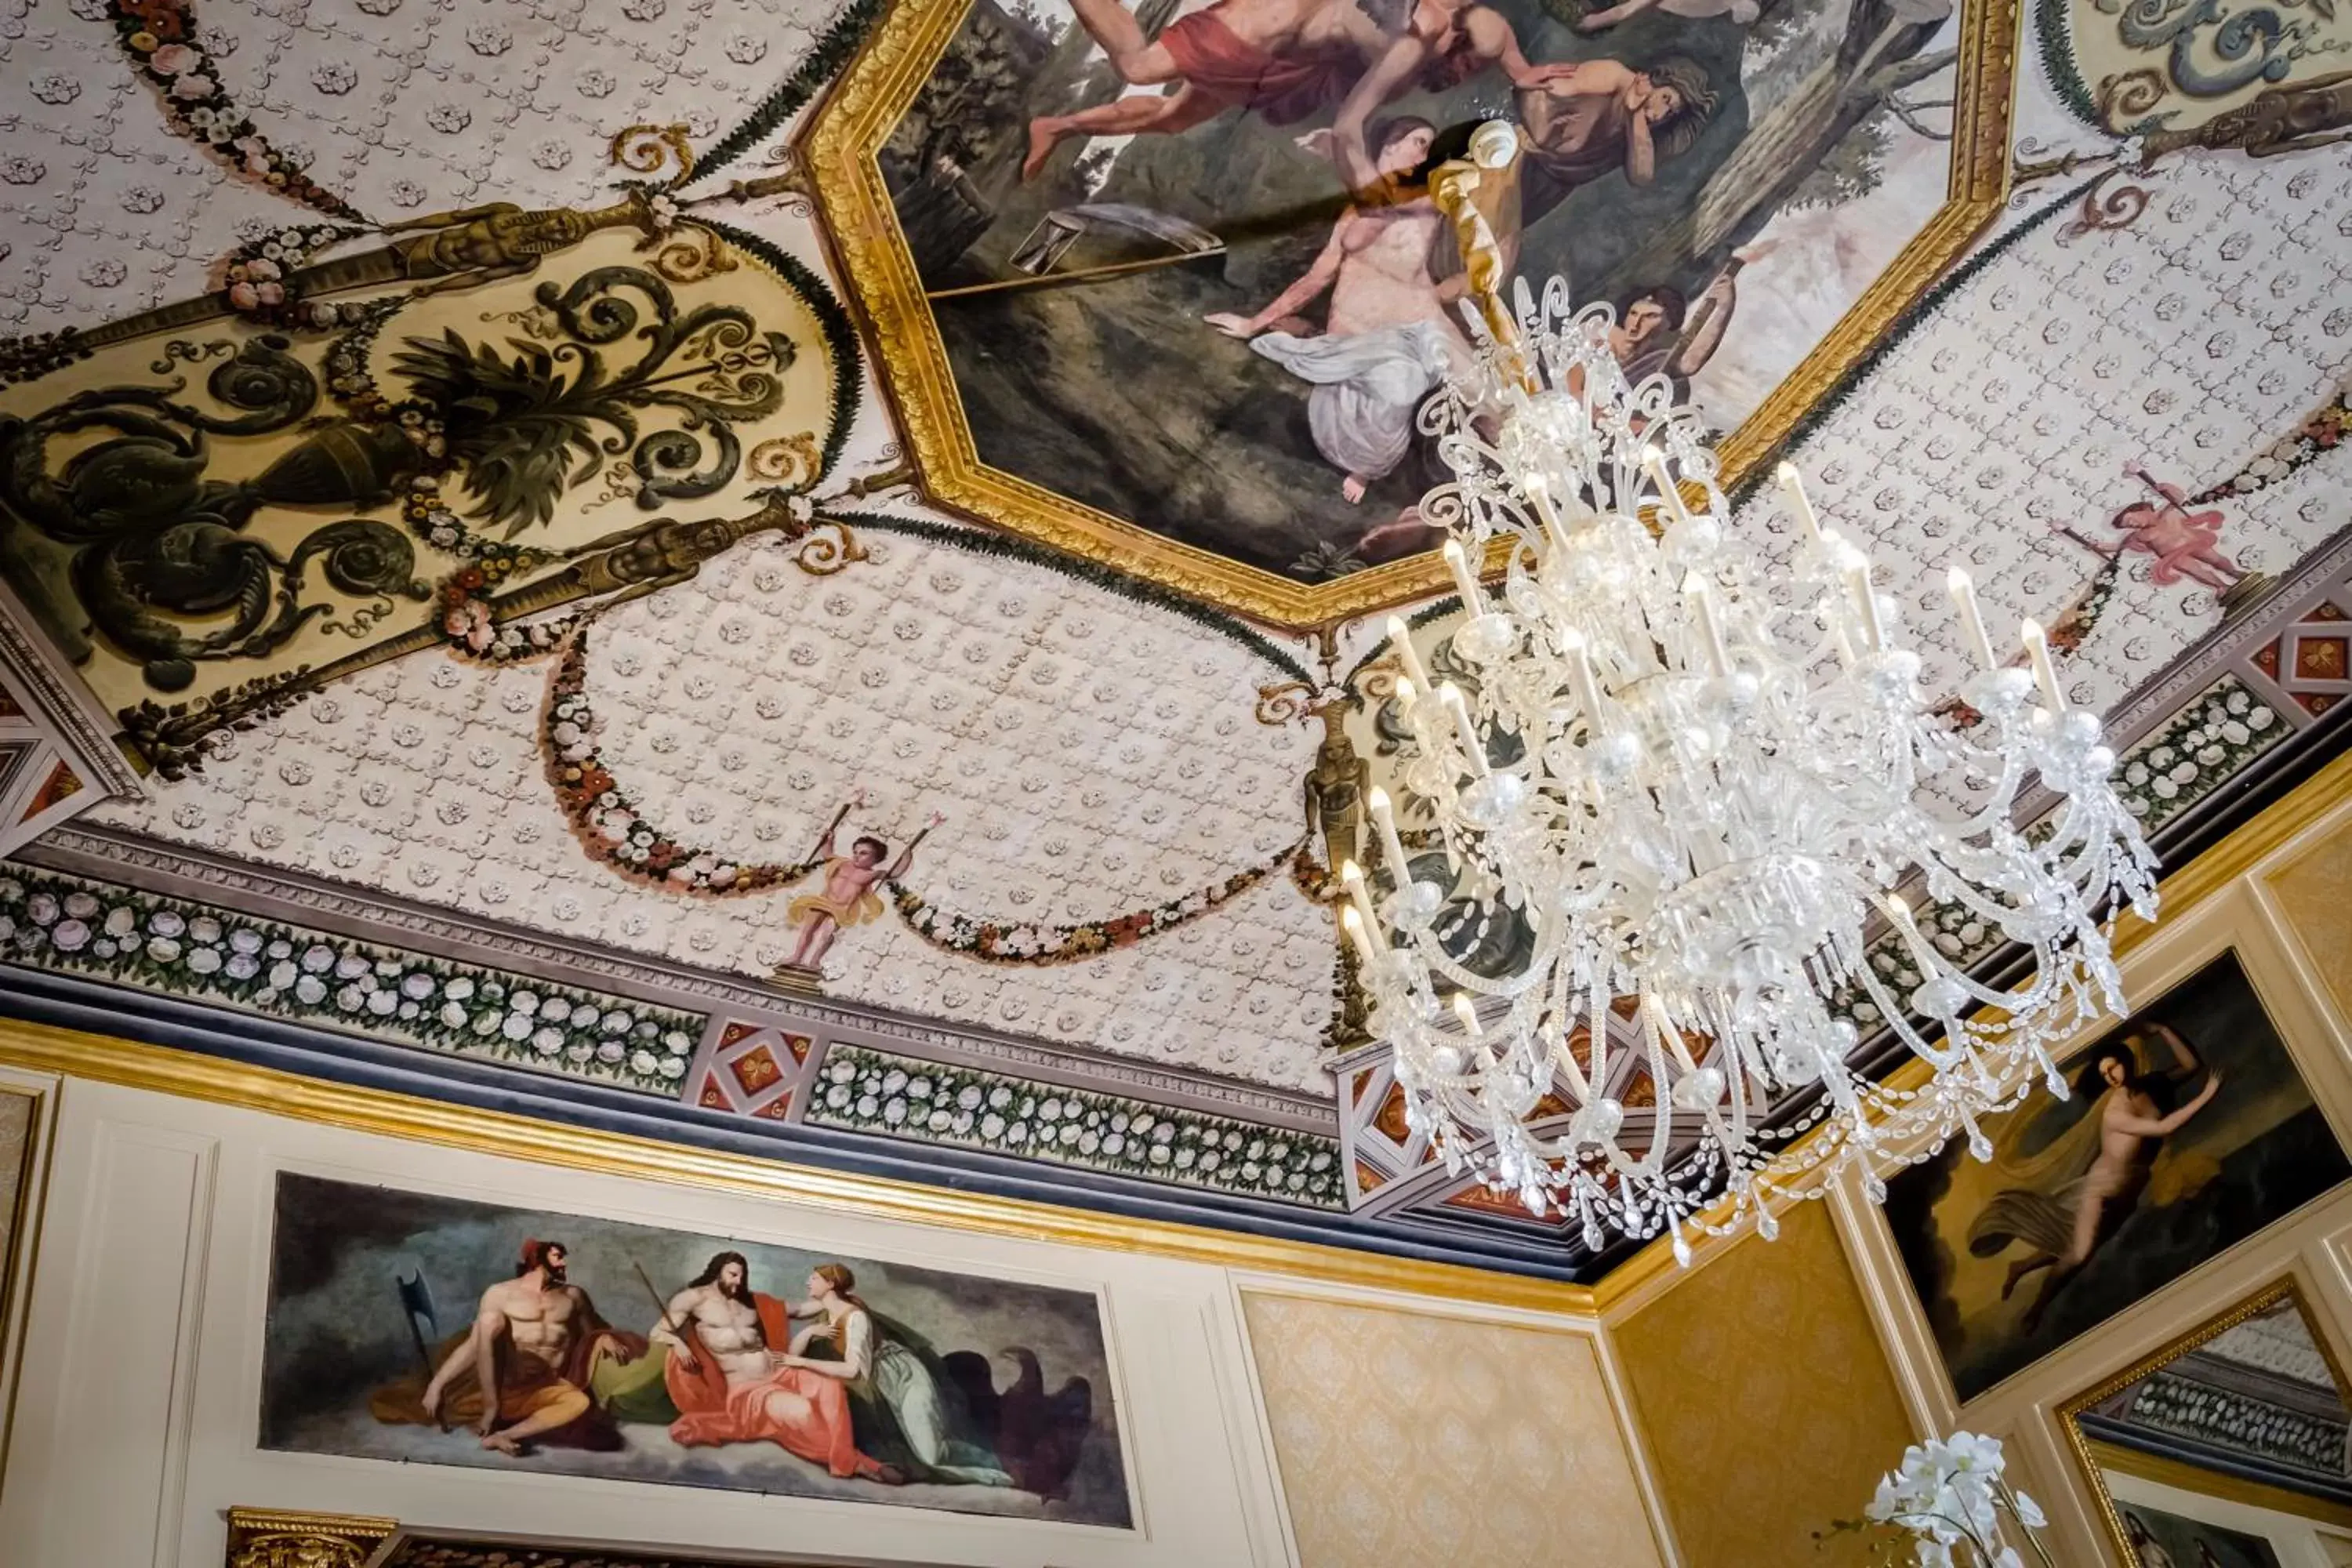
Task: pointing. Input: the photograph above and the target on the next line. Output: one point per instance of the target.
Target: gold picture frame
(281, 1538)
(2093, 1457)
(840, 149)
(20, 1214)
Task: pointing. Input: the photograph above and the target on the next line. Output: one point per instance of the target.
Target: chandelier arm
(1444, 963)
(1995, 814)
(1897, 1016)
(1561, 1004)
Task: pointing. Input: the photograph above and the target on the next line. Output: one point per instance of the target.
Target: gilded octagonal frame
(841, 147)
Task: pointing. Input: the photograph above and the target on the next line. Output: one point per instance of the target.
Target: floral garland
(493, 560)
(474, 632)
(160, 37)
(608, 823)
(613, 828)
(996, 941)
(2323, 432)
(255, 278)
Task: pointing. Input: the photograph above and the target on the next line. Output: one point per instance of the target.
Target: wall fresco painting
(1133, 231)
(630, 1353)
(2188, 1130)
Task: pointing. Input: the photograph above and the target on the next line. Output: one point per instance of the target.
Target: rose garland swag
(613, 828)
(160, 35)
(998, 941)
(608, 822)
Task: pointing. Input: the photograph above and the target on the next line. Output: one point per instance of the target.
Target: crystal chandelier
(1696, 782)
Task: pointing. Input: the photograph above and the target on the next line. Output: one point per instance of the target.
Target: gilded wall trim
(2090, 1456)
(271, 1538)
(20, 1238)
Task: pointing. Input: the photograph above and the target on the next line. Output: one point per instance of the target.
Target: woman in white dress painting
(890, 1376)
(1384, 346)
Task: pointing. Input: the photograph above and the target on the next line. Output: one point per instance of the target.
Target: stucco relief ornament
(1698, 785)
(299, 1550)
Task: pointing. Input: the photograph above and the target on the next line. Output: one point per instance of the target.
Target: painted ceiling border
(114, 856)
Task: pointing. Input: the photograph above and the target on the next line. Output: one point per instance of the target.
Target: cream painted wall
(137, 1413)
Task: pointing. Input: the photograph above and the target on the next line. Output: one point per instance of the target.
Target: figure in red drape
(724, 1378)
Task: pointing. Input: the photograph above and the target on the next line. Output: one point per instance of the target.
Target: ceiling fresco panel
(1128, 305)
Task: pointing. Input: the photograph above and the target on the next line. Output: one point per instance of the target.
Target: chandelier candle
(1392, 846)
(1964, 598)
(1401, 635)
(1717, 774)
(2045, 674)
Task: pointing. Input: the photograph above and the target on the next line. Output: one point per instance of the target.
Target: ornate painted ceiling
(499, 503)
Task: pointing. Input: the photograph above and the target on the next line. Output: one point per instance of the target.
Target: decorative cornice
(227, 958)
(64, 702)
(872, 1091)
(117, 855)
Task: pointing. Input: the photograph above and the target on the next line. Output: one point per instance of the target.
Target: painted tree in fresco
(1802, 144)
(974, 95)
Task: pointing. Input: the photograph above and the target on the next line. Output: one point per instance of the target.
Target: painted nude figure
(719, 1304)
(1586, 120)
(717, 1322)
(2131, 1132)
(1444, 43)
(1661, 332)
(849, 896)
(1384, 342)
(1284, 59)
(528, 1336)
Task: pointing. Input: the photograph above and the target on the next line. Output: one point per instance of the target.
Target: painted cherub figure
(850, 894)
(2184, 544)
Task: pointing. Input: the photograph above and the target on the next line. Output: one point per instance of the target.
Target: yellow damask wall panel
(1415, 1441)
(1756, 1443)
(2314, 893)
